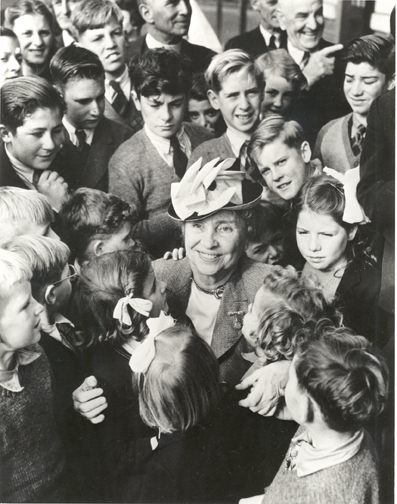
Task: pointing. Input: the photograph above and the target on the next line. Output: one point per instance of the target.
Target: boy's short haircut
(377, 50)
(131, 6)
(21, 98)
(6, 32)
(279, 62)
(272, 128)
(224, 64)
(19, 208)
(23, 7)
(46, 258)
(13, 269)
(89, 215)
(160, 71)
(265, 218)
(199, 88)
(75, 63)
(94, 14)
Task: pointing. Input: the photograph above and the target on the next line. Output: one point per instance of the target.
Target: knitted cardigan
(333, 146)
(32, 459)
(352, 482)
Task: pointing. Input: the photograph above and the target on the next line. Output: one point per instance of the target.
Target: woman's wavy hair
(298, 303)
(181, 386)
(102, 282)
(340, 372)
(324, 194)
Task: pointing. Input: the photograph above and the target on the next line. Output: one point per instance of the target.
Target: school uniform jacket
(199, 56)
(140, 176)
(227, 340)
(253, 42)
(133, 119)
(107, 138)
(8, 176)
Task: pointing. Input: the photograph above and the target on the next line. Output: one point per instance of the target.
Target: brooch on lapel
(237, 318)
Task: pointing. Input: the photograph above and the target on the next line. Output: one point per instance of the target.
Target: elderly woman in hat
(215, 282)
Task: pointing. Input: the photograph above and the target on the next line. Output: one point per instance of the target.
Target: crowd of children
(106, 393)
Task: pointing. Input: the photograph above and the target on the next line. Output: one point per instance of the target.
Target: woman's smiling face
(215, 244)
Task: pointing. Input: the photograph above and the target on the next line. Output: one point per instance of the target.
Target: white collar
(9, 379)
(122, 79)
(72, 132)
(25, 172)
(163, 143)
(296, 54)
(267, 36)
(67, 38)
(236, 141)
(152, 43)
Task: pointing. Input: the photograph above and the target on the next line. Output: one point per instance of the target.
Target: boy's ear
(98, 247)
(213, 98)
(306, 151)
(352, 233)
(49, 296)
(146, 12)
(5, 134)
(135, 99)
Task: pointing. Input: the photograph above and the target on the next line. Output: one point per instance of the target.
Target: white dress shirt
(267, 36)
(152, 43)
(163, 145)
(125, 84)
(72, 133)
(236, 141)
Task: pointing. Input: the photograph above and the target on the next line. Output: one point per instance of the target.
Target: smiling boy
(92, 138)
(143, 168)
(31, 136)
(369, 71)
(98, 27)
(236, 89)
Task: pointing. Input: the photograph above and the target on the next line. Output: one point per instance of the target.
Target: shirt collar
(22, 170)
(267, 36)
(9, 379)
(236, 141)
(152, 43)
(296, 54)
(310, 460)
(72, 132)
(355, 124)
(162, 143)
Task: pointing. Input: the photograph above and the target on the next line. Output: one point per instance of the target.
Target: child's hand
(52, 185)
(89, 401)
(321, 63)
(176, 254)
(268, 384)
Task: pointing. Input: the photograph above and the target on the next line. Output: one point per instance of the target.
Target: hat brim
(251, 193)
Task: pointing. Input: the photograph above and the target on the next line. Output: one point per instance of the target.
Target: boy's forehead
(362, 67)
(238, 77)
(42, 118)
(85, 88)
(110, 24)
(164, 98)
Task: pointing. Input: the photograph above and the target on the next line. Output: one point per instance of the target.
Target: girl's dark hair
(102, 282)
(324, 194)
(343, 376)
(181, 386)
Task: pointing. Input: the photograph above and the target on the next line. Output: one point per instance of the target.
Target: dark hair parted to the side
(94, 14)
(377, 50)
(89, 215)
(75, 63)
(272, 128)
(21, 97)
(23, 7)
(6, 32)
(343, 376)
(160, 71)
(102, 282)
(181, 386)
(199, 88)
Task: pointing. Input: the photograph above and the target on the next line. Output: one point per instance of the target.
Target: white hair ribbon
(195, 194)
(353, 213)
(143, 356)
(142, 306)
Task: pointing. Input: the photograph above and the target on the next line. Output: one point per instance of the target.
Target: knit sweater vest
(32, 461)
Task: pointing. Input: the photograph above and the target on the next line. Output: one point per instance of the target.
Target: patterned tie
(248, 165)
(179, 158)
(82, 146)
(357, 141)
(120, 103)
(305, 60)
(272, 43)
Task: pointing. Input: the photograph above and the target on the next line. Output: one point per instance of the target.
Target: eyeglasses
(72, 275)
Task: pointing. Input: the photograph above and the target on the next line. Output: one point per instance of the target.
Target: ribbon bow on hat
(142, 306)
(354, 213)
(205, 190)
(145, 353)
